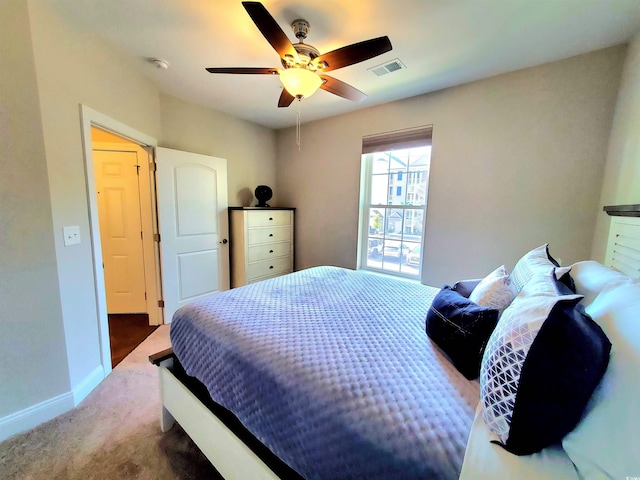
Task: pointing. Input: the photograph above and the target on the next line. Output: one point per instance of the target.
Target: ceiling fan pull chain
(298, 142)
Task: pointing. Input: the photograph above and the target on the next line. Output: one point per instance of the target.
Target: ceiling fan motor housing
(306, 52)
(300, 28)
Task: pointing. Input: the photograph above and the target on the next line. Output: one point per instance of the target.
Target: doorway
(178, 276)
(127, 225)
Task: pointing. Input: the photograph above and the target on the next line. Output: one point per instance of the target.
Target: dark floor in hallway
(126, 332)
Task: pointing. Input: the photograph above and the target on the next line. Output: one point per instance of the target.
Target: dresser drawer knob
(270, 267)
(270, 218)
(271, 234)
(270, 251)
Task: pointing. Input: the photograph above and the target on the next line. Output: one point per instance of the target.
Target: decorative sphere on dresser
(263, 193)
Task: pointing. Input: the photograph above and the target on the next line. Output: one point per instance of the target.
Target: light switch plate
(71, 235)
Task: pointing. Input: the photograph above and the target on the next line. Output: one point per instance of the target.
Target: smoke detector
(159, 63)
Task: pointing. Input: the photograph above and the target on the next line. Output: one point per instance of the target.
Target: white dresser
(261, 243)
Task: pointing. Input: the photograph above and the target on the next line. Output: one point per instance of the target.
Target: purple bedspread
(332, 370)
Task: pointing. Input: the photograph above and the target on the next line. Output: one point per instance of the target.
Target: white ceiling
(441, 42)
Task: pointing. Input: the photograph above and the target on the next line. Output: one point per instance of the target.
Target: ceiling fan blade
(245, 70)
(358, 52)
(285, 98)
(270, 29)
(344, 90)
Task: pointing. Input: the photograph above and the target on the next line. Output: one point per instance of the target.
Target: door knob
(224, 241)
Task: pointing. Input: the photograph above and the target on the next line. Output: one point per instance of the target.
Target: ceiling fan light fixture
(300, 82)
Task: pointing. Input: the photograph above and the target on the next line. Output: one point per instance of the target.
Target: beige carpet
(113, 434)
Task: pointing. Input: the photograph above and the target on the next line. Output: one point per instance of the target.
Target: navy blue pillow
(465, 287)
(564, 365)
(461, 329)
(566, 279)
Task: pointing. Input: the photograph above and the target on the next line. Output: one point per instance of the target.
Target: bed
(338, 365)
(328, 373)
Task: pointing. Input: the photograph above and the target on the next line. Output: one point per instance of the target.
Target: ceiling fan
(304, 66)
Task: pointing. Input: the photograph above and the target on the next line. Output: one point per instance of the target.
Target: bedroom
(509, 122)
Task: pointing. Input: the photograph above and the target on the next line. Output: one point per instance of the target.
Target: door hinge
(152, 166)
(156, 237)
(161, 303)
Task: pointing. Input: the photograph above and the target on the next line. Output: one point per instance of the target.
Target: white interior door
(120, 230)
(192, 203)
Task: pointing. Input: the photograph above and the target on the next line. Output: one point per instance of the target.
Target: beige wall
(248, 148)
(32, 332)
(622, 174)
(517, 161)
(76, 68)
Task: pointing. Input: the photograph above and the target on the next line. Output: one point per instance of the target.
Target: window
(392, 220)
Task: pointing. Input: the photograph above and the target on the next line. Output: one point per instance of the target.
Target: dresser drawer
(268, 251)
(268, 234)
(260, 279)
(269, 267)
(266, 218)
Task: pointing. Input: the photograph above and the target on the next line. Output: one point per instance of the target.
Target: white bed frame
(231, 456)
(235, 460)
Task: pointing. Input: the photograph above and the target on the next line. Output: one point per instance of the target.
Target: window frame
(366, 207)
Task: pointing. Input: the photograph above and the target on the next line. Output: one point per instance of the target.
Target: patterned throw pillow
(495, 290)
(532, 262)
(539, 261)
(540, 367)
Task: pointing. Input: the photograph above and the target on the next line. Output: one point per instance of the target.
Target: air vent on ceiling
(389, 67)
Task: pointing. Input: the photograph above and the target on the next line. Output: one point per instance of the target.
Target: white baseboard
(34, 415)
(85, 387)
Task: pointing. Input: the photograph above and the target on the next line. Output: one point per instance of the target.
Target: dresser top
(261, 208)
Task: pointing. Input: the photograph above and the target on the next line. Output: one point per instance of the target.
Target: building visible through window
(393, 219)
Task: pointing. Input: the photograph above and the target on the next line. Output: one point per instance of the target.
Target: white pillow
(591, 277)
(605, 442)
(494, 291)
(483, 459)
